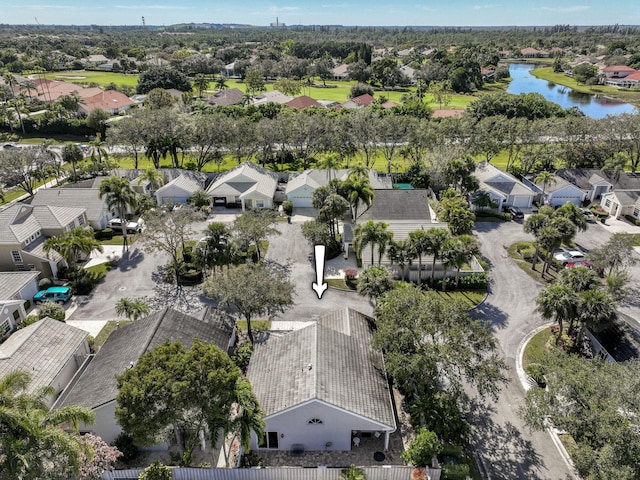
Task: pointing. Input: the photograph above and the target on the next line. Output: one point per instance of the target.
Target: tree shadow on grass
(500, 447)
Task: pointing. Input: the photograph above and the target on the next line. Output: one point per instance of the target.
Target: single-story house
(360, 101)
(273, 96)
(340, 72)
(224, 98)
(97, 211)
(556, 193)
(96, 387)
(246, 186)
(111, 101)
(302, 102)
(505, 189)
(322, 386)
(16, 290)
(619, 203)
(596, 182)
(50, 350)
(23, 229)
(177, 190)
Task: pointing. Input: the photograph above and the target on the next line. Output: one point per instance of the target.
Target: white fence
(275, 473)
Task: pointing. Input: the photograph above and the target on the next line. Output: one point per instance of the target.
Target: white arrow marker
(319, 285)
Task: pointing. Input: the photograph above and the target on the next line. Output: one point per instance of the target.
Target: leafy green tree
(375, 281)
(72, 154)
(264, 291)
(24, 167)
(352, 473)
(454, 209)
(615, 255)
(159, 98)
(156, 471)
(97, 121)
(201, 83)
(361, 89)
(254, 79)
(194, 390)
(167, 232)
(252, 227)
(162, 77)
(458, 173)
(422, 448)
(119, 197)
(34, 446)
(132, 308)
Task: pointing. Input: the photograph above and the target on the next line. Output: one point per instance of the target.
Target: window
(20, 267)
(17, 258)
(5, 327)
(607, 202)
(32, 267)
(38, 233)
(81, 220)
(259, 203)
(16, 315)
(269, 440)
(636, 212)
(315, 421)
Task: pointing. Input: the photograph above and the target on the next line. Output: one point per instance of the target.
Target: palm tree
(573, 214)
(72, 154)
(559, 302)
(419, 245)
(71, 244)
(329, 163)
(10, 80)
(371, 233)
(545, 178)
(358, 190)
(596, 310)
(359, 170)
(435, 239)
(401, 254)
(533, 225)
(454, 256)
(221, 83)
(201, 83)
(132, 308)
(33, 442)
(153, 176)
(119, 196)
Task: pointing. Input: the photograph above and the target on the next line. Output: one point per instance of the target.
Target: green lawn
(547, 73)
(118, 239)
(101, 78)
(18, 192)
(536, 348)
(470, 297)
(107, 329)
(255, 325)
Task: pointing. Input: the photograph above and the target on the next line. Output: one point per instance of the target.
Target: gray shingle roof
(502, 182)
(585, 178)
(231, 96)
(56, 217)
(42, 349)
(184, 183)
(331, 360)
(246, 177)
(88, 198)
(16, 228)
(627, 198)
(97, 385)
(398, 205)
(12, 282)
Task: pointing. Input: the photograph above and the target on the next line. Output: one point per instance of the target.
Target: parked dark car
(516, 213)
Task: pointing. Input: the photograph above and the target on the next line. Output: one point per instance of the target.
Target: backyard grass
(525, 265)
(469, 297)
(547, 73)
(256, 325)
(107, 329)
(536, 348)
(117, 239)
(97, 272)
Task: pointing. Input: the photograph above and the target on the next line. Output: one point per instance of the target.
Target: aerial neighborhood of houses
(196, 218)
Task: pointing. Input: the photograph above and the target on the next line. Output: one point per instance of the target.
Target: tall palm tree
(121, 197)
(359, 170)
(72, 154)
(453, 256)
(545, 178)
(419, 245)
(435, 239)
(201, 83)
(221, 83)
(132, 308)
(153, 176)
(11, 80)
(373, 234)
(596, 310)
(401, 254)
(559, 302)
(329, 163)
(358, 191)
(71, 244)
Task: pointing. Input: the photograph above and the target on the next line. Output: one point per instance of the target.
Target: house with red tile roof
(621, 76)
(363, 100)
(111, 101)
(618, 71)
(303, 102)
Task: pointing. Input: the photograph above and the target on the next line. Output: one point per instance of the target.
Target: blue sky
(323, 12)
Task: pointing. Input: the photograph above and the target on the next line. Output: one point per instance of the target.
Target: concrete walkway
(615, 225)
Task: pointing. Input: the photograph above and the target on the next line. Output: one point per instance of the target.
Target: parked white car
(570, 256)
(132, 227)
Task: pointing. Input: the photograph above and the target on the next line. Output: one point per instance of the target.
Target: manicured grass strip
(255, 325)
(107, 329)
(84, 77)
(117, 239)
(559, 78)
(338, 283)
(470, 297)
(535, 349)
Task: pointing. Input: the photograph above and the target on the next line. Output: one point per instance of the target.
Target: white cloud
(482, 7)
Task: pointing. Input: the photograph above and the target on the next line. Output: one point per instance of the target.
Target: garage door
(301, 202)
(559, 201)
(521, 202)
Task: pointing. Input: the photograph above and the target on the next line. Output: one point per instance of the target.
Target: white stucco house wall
(322, 386)
(246, 186)
(622, 202)
(177, 190)
(16, 292)
(556, 193)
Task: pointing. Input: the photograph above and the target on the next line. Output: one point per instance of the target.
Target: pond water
(595, 106)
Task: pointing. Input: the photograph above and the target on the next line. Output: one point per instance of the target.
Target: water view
(594, 106)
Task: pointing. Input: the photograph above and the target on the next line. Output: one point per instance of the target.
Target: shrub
(31, 319)
(104, 234)
(250, 459)
(475, 281)
(45, 283)
(52, 310)
(493, 214)
(287, 208)
(124, 443)
(458, 471)
(537, 372)
(156, 471)
(351, 273)
(526, 250)
(632, 220)
(242, 355)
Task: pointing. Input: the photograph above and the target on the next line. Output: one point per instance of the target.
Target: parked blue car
(53, 294)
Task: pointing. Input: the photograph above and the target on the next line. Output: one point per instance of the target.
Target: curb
(522, 376)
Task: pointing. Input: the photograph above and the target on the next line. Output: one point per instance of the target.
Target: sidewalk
(614, 225)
